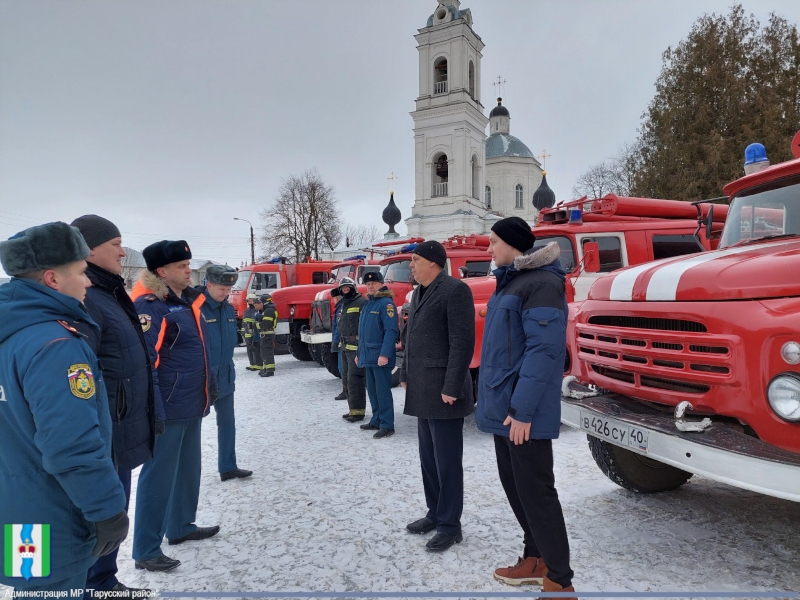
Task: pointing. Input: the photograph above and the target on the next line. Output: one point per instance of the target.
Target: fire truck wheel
(633, 471)
(331, 360)
(281, 345)
(313, 350)
(299, 349)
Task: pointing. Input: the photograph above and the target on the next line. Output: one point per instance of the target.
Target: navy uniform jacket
(336, 337)
(378, 330)
(222, 339)
(524, 346)
(120, 346)
(176, 333)
(55, 431)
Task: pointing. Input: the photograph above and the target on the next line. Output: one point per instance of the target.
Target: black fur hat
(373, 276)
(221, 275)
(42, 247)
(164, 253)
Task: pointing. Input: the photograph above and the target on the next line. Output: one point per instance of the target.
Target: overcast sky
(171, 117)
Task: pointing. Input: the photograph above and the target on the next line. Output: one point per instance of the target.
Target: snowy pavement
(327, 507)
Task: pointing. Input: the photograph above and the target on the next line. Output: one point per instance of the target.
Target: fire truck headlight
(790, 352)
(783, 394)
(291, 312)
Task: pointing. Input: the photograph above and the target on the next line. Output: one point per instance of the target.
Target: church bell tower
(449, 127)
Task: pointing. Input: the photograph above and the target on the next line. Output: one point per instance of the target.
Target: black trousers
(355, 380)
(526, 472)
(268, 351)
(251, 353)
(441, 447)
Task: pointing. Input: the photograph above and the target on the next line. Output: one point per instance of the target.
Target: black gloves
(214, 395)
(159, 428)
(110, 533)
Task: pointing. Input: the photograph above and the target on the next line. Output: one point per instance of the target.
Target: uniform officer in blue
(120, 346)
(55, 456)
(222, 339)
(185, 388)
(377, 336)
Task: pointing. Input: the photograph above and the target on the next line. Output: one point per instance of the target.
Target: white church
(465, 181)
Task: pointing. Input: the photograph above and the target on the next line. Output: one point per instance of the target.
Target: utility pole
(252, 240)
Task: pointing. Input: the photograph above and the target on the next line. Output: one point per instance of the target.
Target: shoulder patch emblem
(145, 321)
(390, 309)
(69, 327)
(81, 381)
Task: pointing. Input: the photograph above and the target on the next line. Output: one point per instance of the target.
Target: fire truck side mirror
(709, 222)
(591, 257)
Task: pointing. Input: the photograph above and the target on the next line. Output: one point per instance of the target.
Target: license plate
(619, 433)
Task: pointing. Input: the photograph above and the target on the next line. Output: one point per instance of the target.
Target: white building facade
(464, 181)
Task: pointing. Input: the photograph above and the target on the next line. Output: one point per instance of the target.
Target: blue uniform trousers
(103, 574)
(379, 388)
(226, 434)
(169, 489)
(76, 582)
(441, 447)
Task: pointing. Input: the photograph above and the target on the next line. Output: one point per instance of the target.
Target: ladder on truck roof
(623, 208)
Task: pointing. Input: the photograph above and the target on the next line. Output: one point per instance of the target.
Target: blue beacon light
(575, 216)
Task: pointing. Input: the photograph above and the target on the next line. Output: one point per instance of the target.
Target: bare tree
(304, 219)
(594, 183)
(132, 265)
(615, 175)
(359, 236)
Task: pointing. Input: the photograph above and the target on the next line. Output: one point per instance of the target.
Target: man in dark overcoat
(440, 340)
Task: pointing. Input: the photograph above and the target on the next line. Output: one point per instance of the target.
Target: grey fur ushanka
(42, 247)
(439, 343)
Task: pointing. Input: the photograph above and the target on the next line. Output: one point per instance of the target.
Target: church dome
(499, 110)
(505, 144)
(544, 197)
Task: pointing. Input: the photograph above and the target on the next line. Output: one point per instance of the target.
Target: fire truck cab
(691, 365)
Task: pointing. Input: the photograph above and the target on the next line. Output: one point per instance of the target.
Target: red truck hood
(766, 270)
(482, 288)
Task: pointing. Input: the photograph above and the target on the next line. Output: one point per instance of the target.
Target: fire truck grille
(645, 353)
(647, 323)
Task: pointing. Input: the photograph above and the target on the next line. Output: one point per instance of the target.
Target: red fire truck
(691, 365)
(463, 253)
(612, 233)
(263, 278)
(294, 304)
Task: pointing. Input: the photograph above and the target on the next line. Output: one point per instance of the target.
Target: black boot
(342, 396)
(159, 563)
(200, 533)
(370, 426)
(442, 541)
(383, 433)
(235, 474)
(354, 418)
(423, 525)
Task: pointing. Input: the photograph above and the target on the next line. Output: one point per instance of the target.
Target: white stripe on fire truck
(664, 283)
(622, 286)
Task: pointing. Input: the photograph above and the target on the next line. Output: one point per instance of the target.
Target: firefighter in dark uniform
(353, 376)
(336, 346)
(377, 336)
(266, 321)
(251, 335)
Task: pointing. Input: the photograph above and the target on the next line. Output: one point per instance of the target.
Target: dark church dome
(391, 214)
(499, 110)
(544, 197)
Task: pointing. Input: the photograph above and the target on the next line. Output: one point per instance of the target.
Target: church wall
(502, 176)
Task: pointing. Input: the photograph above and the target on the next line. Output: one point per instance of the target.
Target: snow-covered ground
(327, 507)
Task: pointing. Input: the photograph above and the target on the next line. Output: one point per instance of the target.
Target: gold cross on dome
(392, 179)
(543, 157)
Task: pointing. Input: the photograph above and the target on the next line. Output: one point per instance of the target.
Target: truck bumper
(316, 338)
(720, 452)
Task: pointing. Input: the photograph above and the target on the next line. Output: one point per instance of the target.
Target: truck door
(613, 256)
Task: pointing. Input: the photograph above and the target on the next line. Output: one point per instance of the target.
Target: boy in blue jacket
(377, 335)
(519, 396)
(57, 480)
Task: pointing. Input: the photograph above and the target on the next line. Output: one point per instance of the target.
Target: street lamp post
(252, 241)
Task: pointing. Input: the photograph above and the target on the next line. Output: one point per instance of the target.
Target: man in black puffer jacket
(120, 346)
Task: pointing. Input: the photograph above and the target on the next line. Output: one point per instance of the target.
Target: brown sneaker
(552, 586)
(529, 570)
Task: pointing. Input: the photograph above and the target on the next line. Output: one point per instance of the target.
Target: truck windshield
(567, 252)
(763, 212)
(397, 271)
(241, 283)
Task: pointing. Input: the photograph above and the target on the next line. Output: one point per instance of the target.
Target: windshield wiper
(763, 238)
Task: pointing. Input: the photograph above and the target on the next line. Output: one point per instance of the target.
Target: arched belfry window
(475, 178)
(519, 200)
(471, 79)
(440, 175)
(440, 76)
(487, 194)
